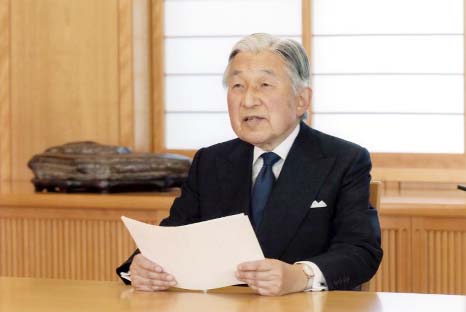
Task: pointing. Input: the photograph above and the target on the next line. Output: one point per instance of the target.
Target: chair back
(375, 193)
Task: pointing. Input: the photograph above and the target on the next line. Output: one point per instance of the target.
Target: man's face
(262, 105)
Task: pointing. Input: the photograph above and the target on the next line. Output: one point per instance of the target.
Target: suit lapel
(298, 185)
(234, 171)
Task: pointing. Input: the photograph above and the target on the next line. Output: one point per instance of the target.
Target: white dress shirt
(317, 282)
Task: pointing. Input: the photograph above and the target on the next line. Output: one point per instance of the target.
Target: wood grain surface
(19, 294)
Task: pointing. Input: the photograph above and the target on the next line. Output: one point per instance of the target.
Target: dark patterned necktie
(262, 187)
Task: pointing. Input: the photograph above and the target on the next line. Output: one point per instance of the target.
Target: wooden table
(27, 294)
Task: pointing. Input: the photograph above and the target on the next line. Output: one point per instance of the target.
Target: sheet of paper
(202, 255)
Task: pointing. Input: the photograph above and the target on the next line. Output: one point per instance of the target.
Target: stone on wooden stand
(92, 167)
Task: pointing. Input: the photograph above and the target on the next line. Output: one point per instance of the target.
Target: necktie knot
(270, 158)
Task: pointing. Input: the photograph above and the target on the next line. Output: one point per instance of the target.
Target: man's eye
(265, 84)
(236, 85)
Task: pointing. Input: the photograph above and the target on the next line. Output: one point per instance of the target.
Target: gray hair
(291, 51)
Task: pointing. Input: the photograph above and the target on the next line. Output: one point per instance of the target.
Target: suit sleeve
(354, 253)
(185, 209)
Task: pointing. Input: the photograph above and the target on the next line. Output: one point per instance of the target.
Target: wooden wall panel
(88, 247)
(5, 108)
(306, 11)
(394, 273)
(440, 255)
(141, 74)
(66, 71)
(157, 31)
(126, 82)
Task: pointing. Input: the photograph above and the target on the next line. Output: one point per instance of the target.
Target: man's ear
(304, 100)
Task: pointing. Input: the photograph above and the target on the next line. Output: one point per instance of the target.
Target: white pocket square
(318, 204)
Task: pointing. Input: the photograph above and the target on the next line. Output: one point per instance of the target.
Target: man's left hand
(271, 277)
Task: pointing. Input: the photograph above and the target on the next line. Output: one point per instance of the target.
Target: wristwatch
(307, 270)
(309, 274)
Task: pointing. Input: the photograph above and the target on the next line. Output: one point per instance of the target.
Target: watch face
(307, 270)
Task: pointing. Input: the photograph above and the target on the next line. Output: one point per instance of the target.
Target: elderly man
(305, 192)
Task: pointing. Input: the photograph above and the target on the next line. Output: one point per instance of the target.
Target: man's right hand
(149, 276)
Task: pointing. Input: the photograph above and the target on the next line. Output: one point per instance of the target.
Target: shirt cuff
(126, 275)
(317, 282)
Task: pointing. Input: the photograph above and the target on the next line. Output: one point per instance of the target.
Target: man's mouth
(252, 118)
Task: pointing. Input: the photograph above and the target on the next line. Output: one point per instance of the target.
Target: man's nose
(250, 98)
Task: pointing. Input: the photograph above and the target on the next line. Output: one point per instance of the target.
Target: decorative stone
(92, 167)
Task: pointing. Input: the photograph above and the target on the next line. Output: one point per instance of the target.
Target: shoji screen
(198, 38)
(388, 74)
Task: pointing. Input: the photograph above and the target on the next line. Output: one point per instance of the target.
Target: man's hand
(149, 276)
(272, 277)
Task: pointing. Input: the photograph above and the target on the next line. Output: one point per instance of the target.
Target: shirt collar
(282, 149)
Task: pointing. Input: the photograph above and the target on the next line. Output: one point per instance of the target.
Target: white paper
(202, 255)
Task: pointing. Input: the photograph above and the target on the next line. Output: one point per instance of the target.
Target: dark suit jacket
(342, 239)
